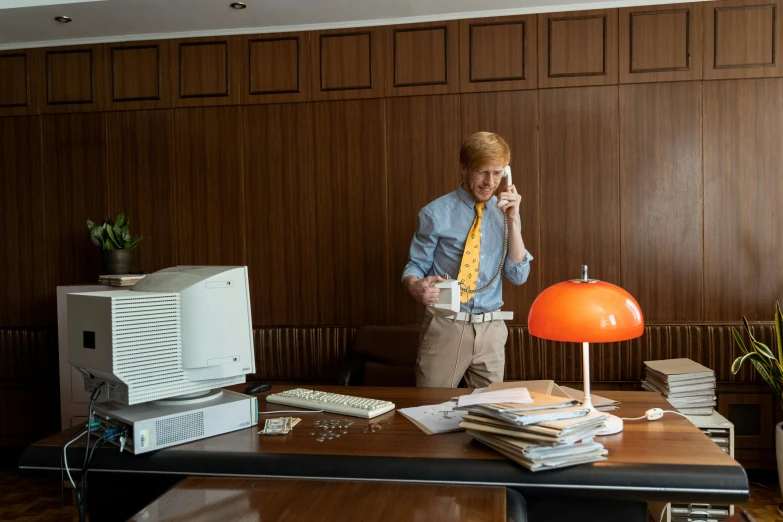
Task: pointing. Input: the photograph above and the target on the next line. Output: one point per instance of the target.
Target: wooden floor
(26, 499)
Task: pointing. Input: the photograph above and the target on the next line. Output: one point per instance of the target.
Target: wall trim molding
(610, 4)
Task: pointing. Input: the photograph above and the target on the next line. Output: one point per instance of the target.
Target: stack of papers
(687, 385)
(549, 432)
(435, 418)
(120, 279)
(599, 403)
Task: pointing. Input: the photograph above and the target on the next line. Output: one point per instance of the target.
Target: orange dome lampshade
(587, 311)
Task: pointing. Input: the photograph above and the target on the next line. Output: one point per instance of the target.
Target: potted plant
(770, 366)
(116, 243)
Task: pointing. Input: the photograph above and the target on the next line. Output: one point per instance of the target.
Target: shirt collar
(468, 199)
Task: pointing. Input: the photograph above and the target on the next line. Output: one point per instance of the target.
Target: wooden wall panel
(206, 71)
(75, 189)
(661, 43)
(348, 63)
(142, 183)
(18, 85)
(514, 115)
(423, 59)
(351, 209)
(24, 276)
(276, 68)
(498, 54)
(72, 79)
(742, 39)
(210, 199)
(743, 137)
(577, 48)
(422, 144)
(580, 204)
(661, 195)
(137, 75)
(280, 213)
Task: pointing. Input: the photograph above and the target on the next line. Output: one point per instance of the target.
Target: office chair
(516, 508)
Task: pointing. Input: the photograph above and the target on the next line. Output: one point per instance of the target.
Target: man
(461, 234)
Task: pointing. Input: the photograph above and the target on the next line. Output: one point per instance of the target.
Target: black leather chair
(381, 356)
(516, 508)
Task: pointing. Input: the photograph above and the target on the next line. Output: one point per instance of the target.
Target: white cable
(65, 457)
(663, 512)
(646, 416)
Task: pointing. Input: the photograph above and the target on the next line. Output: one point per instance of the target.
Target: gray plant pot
(117, 261)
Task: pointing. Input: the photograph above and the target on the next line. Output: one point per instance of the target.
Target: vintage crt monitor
(164, 348)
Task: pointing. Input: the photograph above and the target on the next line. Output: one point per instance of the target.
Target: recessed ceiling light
(63, 19)
(238, 5)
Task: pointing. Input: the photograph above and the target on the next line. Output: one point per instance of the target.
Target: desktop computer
(161, 352)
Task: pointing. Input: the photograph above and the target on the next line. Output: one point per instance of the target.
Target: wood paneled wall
(307, 156)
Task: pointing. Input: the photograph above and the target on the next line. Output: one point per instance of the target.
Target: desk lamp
(587, 311)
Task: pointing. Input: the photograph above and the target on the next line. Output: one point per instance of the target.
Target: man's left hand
(511, 208)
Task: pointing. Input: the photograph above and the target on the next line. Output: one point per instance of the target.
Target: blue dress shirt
(439, 242)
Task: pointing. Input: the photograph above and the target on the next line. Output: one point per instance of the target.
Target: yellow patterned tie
(469, 268)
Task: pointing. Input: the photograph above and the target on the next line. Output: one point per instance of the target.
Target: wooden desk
(669, 459)
(209, 499)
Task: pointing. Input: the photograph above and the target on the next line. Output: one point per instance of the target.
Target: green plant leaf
(135, 241)
(754, 356)
(126, 233)
(736, 365)
(763, 349)
(90, 225)
(110, 232)
(120, 221)
(747, 329)
(767, 378)
(96, 236)
(738, 339)
(751, 356)
(108, 245)
(779, 330)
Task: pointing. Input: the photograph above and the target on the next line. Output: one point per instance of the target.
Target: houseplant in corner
(770, 367)
(116, 243)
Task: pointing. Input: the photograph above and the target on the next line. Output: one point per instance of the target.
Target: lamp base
(613, 424)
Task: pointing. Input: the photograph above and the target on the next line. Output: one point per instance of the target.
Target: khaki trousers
(449, 350)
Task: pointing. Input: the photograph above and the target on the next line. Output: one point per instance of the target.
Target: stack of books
(548, 433)
(687, 385)
(120, 279)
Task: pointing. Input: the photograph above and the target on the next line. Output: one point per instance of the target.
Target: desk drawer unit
(721, 432)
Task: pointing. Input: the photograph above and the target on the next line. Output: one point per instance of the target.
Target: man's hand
(424, 290)
(511, 208)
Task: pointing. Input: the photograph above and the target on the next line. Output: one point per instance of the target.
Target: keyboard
(331, 402)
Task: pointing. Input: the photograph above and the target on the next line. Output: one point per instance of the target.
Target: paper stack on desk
(120, 279)
(548, 433)
(686, 384)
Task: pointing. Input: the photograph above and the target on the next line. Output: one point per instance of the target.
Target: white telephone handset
(507, 175)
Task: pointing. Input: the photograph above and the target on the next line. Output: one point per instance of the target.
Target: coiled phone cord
(464, 288)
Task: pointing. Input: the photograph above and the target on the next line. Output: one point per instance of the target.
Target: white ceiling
(30, 23)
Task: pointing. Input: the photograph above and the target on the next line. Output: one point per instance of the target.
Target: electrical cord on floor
(64, 459)
(81, 494)
(98, 444)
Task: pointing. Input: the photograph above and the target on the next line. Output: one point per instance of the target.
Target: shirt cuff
(412, 271)
(525, 260)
